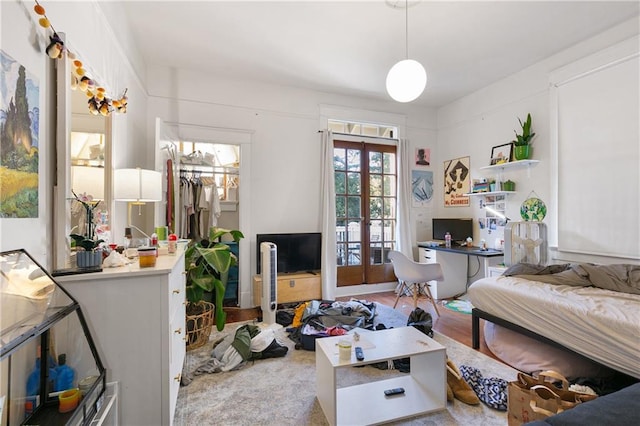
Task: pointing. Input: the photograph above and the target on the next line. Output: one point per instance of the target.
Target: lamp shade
(138, 185)
(88, 180)
(406, 80)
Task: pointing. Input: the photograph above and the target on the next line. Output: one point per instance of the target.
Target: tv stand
(296, 287)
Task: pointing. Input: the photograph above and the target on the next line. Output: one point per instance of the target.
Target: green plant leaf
(218, 257)
(220, 314)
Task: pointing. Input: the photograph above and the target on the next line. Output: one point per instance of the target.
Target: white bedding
(602, 325)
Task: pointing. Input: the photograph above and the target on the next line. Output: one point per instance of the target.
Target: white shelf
(491, 193)
(511, 165)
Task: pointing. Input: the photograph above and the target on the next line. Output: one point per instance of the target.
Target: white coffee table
(425, 389)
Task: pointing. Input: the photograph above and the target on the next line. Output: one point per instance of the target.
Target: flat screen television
(296, 252)
(459, 229)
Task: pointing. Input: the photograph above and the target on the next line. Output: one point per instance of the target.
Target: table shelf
(425, 386)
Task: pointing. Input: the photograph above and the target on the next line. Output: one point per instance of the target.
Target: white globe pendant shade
(406, 80)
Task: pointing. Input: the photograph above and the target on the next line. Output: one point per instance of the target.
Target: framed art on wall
(421, 187)
(19, 121)
(423, 156)
(457, 182)
(501, 153)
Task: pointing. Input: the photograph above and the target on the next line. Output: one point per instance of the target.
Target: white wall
(90, 36)
(20, 41)
(284, 185)
(475, 123)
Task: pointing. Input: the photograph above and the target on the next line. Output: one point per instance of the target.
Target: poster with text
(19, 124)
(457, 182)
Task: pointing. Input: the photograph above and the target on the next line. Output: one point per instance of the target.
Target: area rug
(459, 305)
(282, 390)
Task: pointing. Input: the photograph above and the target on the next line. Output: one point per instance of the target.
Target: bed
(592, 310)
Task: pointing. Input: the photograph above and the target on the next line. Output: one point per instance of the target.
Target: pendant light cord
(406, 27)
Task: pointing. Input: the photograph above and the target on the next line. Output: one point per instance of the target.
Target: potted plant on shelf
(89, 253)
(522, 143)
(207, 266)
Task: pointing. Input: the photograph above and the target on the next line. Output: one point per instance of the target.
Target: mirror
(83, 167)
(87, 153)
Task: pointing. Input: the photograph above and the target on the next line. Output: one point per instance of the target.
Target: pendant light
(407, 79)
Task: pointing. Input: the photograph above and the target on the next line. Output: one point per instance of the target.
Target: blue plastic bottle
(65, 374)
(33, 381)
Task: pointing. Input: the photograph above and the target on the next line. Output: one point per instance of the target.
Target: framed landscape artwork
(19, 128)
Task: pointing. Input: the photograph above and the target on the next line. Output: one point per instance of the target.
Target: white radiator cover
(269, 253)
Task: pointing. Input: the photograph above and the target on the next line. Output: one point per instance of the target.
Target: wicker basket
(199, 326)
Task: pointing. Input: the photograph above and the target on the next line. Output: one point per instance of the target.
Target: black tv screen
(459, 229)
(296, 252)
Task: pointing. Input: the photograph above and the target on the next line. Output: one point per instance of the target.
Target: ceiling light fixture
(407, 79)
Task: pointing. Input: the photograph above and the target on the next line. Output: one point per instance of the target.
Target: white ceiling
(348, 46)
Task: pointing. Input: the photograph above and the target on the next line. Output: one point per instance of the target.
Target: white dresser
(137, 318)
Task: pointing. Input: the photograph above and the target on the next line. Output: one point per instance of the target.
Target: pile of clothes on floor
(321, 318)
(233, 351)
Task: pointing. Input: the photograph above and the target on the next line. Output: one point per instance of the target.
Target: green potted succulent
(522, 143)
(91, 254)
(207, 266)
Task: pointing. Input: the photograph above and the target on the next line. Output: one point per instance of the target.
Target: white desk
(454, 263)
(425, 389)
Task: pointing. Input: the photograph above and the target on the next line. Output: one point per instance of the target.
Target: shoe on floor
(461, 389)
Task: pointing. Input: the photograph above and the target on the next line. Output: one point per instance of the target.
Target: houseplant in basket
(207, 266)
(522, 143)
(89, 253)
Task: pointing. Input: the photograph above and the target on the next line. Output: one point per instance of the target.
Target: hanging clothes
(209, 203)
(186, 199)
(170, 216)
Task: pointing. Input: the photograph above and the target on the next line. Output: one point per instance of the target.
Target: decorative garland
(99, 102)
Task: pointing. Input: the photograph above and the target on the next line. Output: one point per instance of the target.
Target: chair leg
(416, 294)
(400, 292)
(433, 302)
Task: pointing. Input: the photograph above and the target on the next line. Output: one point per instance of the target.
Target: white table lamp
(137, 187)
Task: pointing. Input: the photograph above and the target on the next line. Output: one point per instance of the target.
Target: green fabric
(242, 340)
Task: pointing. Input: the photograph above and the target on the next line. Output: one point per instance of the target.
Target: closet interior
(202, 183)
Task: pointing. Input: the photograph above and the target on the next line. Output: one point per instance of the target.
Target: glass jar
(147, 257)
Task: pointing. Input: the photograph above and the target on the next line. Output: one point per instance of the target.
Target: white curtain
(328, 206)
(403, 230)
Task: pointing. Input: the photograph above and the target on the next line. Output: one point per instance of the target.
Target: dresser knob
(177, 291)
(178, 331)
(178, 377)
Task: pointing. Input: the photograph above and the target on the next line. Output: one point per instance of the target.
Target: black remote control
(396, 391)
(359, 353)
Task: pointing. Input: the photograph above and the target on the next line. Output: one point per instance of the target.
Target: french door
(366, 205)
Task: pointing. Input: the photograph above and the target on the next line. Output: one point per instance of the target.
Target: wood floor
(454, 325)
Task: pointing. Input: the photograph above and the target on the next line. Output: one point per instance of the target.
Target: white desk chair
(414, 277)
